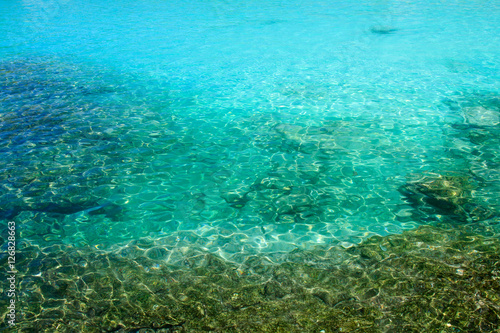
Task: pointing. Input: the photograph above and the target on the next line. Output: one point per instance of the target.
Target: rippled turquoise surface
(245, 166)
(241, 127)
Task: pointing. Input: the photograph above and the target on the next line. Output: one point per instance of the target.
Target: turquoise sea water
(246, 128)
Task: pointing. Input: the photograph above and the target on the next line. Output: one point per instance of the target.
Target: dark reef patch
(51, 130)
(432, 194)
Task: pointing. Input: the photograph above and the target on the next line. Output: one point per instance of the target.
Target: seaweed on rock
(428, 279)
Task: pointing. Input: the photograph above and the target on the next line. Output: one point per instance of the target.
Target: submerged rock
(450, 195)
(478, 109)
(481, 116)
(61, 141)
(61, 208)
(236, 199)
(383, 29)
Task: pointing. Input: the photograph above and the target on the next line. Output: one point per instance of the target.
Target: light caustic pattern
(287, 148)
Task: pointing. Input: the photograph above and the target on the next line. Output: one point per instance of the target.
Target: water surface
(245, 130)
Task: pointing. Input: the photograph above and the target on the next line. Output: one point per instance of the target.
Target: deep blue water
(242, 127)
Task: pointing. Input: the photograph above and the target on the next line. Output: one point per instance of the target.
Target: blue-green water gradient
(240, 126)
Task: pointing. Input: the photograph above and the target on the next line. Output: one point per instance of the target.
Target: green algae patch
(428, 279)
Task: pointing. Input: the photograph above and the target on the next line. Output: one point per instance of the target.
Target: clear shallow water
(151, 129)
(239, 127)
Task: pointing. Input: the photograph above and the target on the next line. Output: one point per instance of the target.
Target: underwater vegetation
(433, 278)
